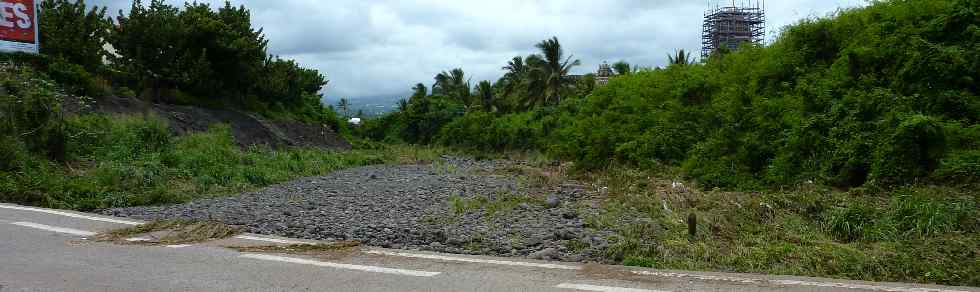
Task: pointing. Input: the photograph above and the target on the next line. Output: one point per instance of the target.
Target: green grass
(121, 161)
(923, 234)
(491, 205)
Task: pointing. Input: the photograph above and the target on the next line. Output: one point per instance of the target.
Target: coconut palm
(554, 72)
(402, 105)
(681, 58)
(484, 91)
(453, 84)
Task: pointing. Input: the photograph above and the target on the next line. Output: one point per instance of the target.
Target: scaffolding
(730, 27)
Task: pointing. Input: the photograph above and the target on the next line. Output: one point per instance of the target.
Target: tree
(453, 84)
(344, 106)
(146, 42)
(681, 58)
(484, 91)
(419, 91)
(71, 31)
(622, 68)
(554, 72)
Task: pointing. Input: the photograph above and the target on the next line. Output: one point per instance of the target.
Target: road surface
(48, 250)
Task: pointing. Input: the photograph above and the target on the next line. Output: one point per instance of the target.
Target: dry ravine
(452, 205)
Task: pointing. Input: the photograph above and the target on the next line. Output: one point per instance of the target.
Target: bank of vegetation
(52, 154)
(857, 134)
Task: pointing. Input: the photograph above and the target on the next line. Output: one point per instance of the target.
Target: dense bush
(879, 94)
(96, 161)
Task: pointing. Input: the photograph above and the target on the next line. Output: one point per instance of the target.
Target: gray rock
(552, 201)
(399, 206)
(544, 254)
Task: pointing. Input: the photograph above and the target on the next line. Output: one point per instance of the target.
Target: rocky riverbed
(452, 205)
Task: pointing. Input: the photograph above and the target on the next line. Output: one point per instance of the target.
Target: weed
(175, 232)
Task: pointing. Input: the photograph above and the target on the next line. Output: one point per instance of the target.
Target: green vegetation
(849, 147)
(912, 234)
(97, 161)
(881, 96)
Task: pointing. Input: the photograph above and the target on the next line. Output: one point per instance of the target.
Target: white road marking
(55, 229)
(177, 245)
(273, 240)
(859, 286)
(793, 282)
(137, 239)
(372, 269)
(473, 260)
(701, 277)
(586, 287)
(68, 214)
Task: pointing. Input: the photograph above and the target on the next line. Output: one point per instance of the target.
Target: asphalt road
(48, 250)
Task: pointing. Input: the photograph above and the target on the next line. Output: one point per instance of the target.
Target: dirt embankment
(247, 128)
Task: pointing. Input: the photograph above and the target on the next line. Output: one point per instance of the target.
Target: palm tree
(555, 71)
(454, 84)
(344, 105)
(484, 91)
(402, 105)
(681, 58)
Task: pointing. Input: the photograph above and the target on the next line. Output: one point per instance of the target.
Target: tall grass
(119, 161)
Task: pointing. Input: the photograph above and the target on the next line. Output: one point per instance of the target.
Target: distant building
(730, 27)
(602, 76)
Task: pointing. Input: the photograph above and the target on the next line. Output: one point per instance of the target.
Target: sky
(382, 48)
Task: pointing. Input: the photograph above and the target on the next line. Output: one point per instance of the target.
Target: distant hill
(371, 105)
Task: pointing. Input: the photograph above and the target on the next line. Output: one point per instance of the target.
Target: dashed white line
(586, 287)
(138, 239)
(55, 229)
(372, 269)
(273, 240)
(473, 260)
(793, 282)
(68, 214)
(177, 245)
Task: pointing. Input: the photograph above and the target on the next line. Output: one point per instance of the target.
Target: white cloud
(371, 48)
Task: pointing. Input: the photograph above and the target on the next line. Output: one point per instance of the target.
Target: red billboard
(18, 25)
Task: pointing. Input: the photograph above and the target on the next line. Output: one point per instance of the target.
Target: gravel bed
(411, 207)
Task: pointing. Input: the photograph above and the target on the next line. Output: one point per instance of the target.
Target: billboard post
(19, 26)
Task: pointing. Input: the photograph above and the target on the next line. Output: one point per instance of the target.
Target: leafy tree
(419, 91)
(72, 31)
(147, 42)
(622, 68)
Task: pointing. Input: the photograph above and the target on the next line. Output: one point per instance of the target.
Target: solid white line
(700, 277)
(177, 245)
(68, 214)
(55, 229)
(586, 287)
(859, 286)
(137, 239)
(793, 282)
(273, 240)
(340, 266)
(473, 260)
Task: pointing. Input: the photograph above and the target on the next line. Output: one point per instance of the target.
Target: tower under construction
(729, 27)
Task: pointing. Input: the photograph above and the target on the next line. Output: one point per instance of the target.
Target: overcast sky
(376, 48)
